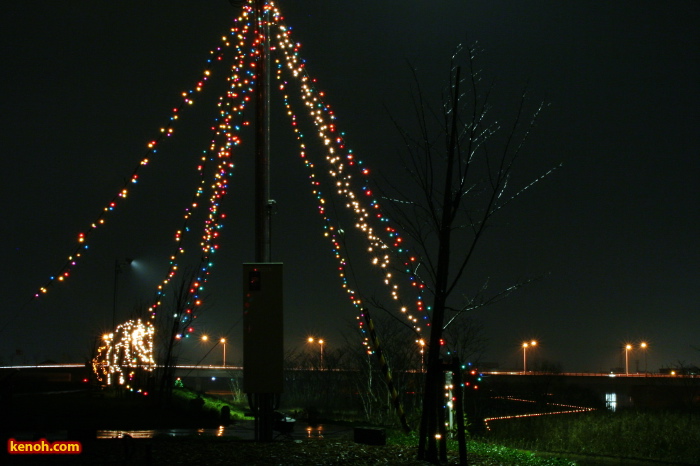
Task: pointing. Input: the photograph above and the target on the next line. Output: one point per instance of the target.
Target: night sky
(613, 233)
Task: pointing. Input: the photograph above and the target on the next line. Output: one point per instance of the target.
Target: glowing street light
(223, 342)
(527, 345)
(205, 338)
(320, 342)
(421, 342)
(628, 347)
(644, 346)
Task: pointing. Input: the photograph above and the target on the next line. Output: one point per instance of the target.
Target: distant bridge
(644, 390)
(641, 390)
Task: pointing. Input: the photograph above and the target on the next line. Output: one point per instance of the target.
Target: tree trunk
(431, 399)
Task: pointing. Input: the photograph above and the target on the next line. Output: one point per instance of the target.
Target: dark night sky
(615, 230)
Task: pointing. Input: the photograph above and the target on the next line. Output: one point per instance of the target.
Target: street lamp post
(223, 342)
(320, 343)
(205, 338)
(643, 346)
(421, 342)
(627, 359)
(526, 345)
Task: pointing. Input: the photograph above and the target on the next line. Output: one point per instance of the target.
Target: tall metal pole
(262, 137)
(223, 340)
(262, 403)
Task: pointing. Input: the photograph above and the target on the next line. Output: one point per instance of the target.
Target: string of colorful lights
(343, 165)
(384, 244)
(109, 358)
(165, 132)
(227, 133)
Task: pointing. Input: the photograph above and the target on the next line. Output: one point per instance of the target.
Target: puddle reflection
(234, 430)
(222, 431)
(314, 431)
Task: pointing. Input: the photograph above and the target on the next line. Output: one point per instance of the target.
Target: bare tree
(401, 352)
(172, 322)
(461, 164)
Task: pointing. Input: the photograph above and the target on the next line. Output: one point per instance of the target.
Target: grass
(109, 410)
(487, 453)
(661, 435)
(628, 434)
(184, 397)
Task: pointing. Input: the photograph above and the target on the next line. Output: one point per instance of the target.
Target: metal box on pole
(263, 330)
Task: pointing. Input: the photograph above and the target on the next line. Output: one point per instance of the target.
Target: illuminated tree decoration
(125, 354)
(130, 347)
(383, 241)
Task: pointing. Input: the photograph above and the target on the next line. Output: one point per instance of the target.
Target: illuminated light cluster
(342, 163)
(125, 352)
(151, 146)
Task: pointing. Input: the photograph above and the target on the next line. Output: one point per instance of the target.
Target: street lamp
(421, 342)
(320, 342)
(223, 342)
(643, 346)
(526, 345)
(627, 359)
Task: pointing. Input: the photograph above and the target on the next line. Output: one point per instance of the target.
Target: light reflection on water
(314, 431)
(235, 430)
(611, 401)
(150, 433)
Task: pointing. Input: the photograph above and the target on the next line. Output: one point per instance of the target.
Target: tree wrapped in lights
(126, 355)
